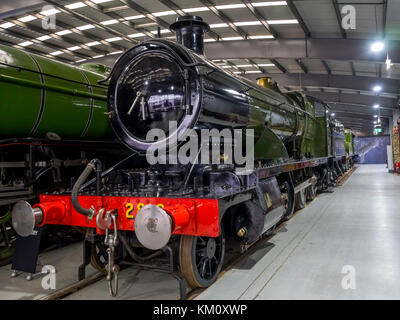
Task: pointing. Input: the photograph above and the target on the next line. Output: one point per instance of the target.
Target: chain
(112, 269)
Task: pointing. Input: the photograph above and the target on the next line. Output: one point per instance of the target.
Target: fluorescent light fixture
(266, 65)
(7, 25)
(376, 106)
(226, 67)
(75, 5)
(99, 56)
(377, 46)
(253, 71)
(74, 48)
(232, 38)
(164, 13)
(218, 25)
(100, 1)
(113, 39)
(140, 16)
(375, 116)
(25, 43)
(375, 122)
(91, 44)
(198, 9)
(80, 60)
(161, 31)
(244, 65)
(115, 52)
(63, 33)
(44, 38)
(50, 12)
(377, 88)
(237, 72)
(268, 36)
(85, 27)
(209, 40)
(332, 114)
(290, 21)
(135, 35)
(231, 6)
(107, 22)
(56, 53)
(247, 23)
(267, 4)
(27, 18)
(326, 111)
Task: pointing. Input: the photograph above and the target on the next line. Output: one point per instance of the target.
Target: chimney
(190, 32)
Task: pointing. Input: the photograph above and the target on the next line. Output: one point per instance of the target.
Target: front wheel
(201, 258)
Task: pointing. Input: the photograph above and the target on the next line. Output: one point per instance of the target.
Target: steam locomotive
(52, 121)
(182, 213)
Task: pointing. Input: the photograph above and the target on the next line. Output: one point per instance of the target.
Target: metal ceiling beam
(325, 64)
(384, 18)
(357, 100)
(299, 18)
(86, 19)
(65, 39)
(20, 11)
(335, 49)
(278, 65)
(301, 65)
(339, 18)
(23, 37)
(210, 5)
(389, 86)
(178, 10)
(353, 70)
(260, 18)
(360, 110)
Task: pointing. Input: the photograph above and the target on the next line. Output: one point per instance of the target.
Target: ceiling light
(113, 39)
(85, 27)
(377, 88)
(230, 6)
(253, 71)
(43, 38)
(91, 44)
(290, 21)
(25, 43)
(50, 12)
(226, 67)
(247, 23)
(27, 18)
(209, 40)
(326, 111)
(163, 13)
(376, 106)
(375, 116)
(56, 53)
(266, 65)
(244, 65)
(332, 114)
(75, 5)
(135, 35)
(267, 4)
(74, 48)
(7, 25)
(269, 36)
(80, 60)
(232, 38)
(99, 56)
(100, 1)
(375, 122)
(64, 32)
(218, 25)
(198, 9)
(140, 16)
(237, 72)
(161, 31)
(107, 22)
(115, 52)
(377, 46)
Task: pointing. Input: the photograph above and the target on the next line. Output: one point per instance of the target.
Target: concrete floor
(355, 230)
(358, 226)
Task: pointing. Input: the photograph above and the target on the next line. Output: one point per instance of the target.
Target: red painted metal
(198, 217)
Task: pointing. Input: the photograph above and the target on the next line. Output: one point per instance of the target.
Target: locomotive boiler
(187, 210)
